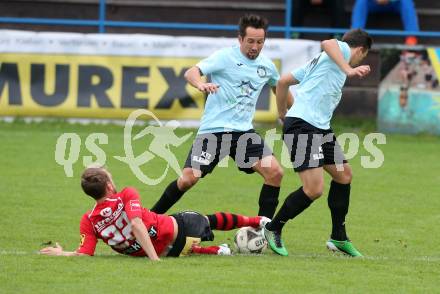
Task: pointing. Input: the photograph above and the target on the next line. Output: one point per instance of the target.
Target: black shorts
(193, 228)
(309, 146)
(245, 148)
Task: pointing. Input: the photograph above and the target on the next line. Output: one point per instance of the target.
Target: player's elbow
(327, 43)
(324, 44)
(136, 224)
(283, 82)
(190, 72)
(186, 74)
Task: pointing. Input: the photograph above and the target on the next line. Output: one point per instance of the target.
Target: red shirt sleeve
(88, 237)
(132, 203)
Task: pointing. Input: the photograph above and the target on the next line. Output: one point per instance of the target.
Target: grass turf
(393, 220)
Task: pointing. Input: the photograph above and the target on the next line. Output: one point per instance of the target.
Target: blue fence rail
(102, 23)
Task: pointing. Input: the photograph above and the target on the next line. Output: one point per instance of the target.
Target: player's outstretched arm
(331, 47)
(284, 97)
(194, 77)
(57, 250)
(141, 234)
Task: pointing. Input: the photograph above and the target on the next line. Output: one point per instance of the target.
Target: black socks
(338, 202)
(268, 200)
(294, 204)
(170, 196)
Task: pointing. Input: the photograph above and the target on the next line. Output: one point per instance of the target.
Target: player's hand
(281, 117)
(56, 250)
(208, 88)
(360, 71)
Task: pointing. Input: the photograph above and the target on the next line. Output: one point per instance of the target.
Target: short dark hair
(94, 182)
(358, 38)
(254, 21)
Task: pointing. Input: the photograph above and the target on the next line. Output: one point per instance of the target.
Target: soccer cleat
(344, 247)
(273, 238)
(224, 250)
(263, 221)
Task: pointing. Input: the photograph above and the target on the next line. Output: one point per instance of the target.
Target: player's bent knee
(345, 177)
(314, 192)
(348, 176)
(187, 180)
(279, 173)
(275, 176)
(187, 183)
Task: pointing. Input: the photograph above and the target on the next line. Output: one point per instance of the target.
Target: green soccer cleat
(344, 247)
(273, 238)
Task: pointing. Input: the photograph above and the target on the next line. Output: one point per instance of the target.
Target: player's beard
(252, 54)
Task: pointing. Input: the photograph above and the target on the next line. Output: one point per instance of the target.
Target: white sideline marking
(19, 252)
(324, 256)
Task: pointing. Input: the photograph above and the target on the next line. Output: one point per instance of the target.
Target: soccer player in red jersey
(119, 219)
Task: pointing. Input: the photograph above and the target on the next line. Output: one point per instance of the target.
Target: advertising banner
(109, 75)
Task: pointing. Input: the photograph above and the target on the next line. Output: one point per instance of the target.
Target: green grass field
(394, 221)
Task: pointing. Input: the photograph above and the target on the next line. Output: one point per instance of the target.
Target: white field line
(20, 252)
(306, 256)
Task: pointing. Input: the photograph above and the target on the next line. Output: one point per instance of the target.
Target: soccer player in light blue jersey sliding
(238, 74)
(310, 140)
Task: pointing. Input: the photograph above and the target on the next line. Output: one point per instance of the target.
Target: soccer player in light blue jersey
(310, 140)
(238, 74)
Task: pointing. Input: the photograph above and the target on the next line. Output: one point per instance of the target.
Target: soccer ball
(249, 240)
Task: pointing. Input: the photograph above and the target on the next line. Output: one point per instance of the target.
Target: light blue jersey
(320, 89)
(241, 80)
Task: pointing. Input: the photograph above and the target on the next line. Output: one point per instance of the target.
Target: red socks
(226, 221)
(205, 250)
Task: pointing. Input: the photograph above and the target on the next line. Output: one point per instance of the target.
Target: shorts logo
(135, 205)
(204, 158)
(318, 156)
(261, 71)
(106, 212)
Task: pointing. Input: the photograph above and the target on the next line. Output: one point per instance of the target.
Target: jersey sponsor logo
(106, 212)
(261, 71)
(135, 247)
(152, 232)
(101, 224)
(246, 89)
